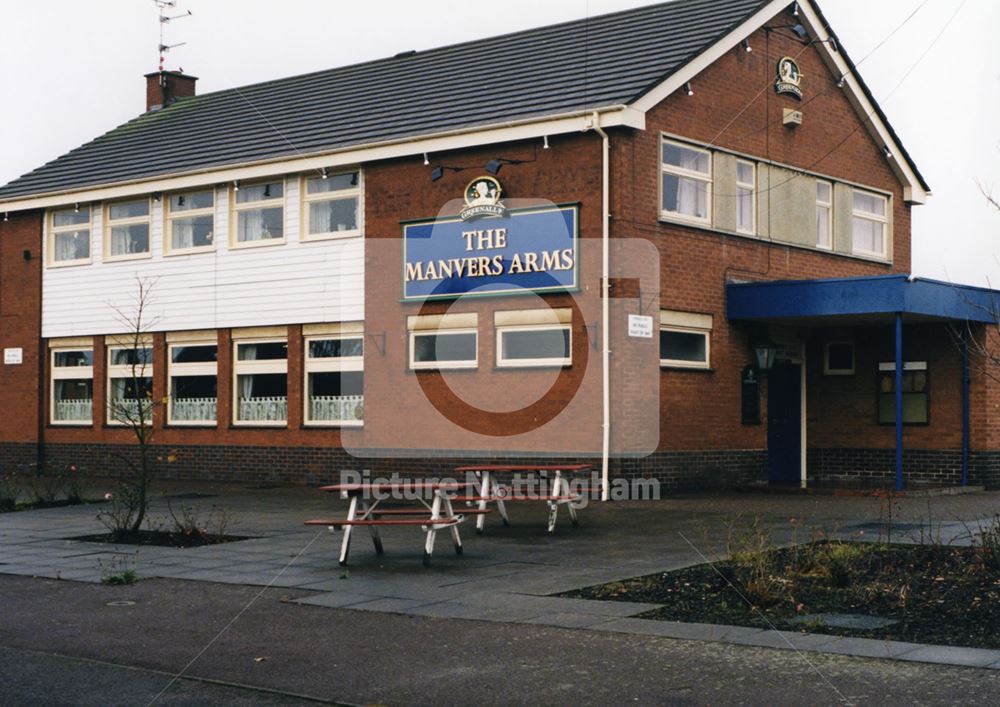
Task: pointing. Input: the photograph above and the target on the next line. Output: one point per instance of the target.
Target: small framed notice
(13, 357)
(640, 326)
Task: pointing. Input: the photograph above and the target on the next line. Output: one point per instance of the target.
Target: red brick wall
(20, 324)
(734, 107)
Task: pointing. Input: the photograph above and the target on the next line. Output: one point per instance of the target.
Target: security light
(801, 31)
(746, 46)
(437, 173)
(493, 167)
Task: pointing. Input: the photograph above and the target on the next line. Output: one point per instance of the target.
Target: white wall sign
(640, 326)
(12, 357)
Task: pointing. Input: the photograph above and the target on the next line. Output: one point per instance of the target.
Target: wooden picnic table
(432, 517)
(490, 490)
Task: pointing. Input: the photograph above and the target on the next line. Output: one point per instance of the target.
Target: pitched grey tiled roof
(603, 61)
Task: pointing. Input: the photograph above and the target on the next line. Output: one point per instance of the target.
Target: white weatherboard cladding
(290, 283)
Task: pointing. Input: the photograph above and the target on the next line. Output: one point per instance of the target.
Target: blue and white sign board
(528, 250)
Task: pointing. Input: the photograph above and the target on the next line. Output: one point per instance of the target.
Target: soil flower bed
(917, 593)
(161, 538)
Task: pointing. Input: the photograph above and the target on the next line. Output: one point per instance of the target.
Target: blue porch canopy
(860, 300)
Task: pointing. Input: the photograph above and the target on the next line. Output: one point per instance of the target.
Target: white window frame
(144, 370)
(235, 208)
(687, 323)
(265, 367)
(357, 192)
(110, 224)
(70, 373)
(181, 370)
(828, 207)
(827, 371)
(503, 362)
(750, 187)
(169, 217)
(687, 174)
(54, 231)
(883, 220)
(343, 364)
(442, 365)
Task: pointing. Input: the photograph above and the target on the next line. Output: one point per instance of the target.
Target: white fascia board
(913, 191)
(581, 121)
(701, 62)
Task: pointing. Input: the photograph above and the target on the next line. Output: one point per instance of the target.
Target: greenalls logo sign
(789, 77)
(482, 198)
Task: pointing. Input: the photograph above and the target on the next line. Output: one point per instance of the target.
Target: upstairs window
(128, 230)
(746, 182)
(824, 210)
(869, 224)
(685, 182)
(191, 221)
(332, 204)
(260, 213)
(69, 236)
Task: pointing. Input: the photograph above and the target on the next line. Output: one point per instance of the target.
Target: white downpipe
(605, 307)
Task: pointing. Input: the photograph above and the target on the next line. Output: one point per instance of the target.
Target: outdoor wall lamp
(493, 166)
(764, 351)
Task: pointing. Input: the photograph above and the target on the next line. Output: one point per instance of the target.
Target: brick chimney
(165, 87)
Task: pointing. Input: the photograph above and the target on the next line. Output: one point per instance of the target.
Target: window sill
(334, 236)
(529, 366)
(187, 251)
(331, 425)
(686, 369)
(259, 425)
(764, 240)
(128, 258)
(668, 217)
(70, 423)
(262, 243)
(69, 263)
(206, 424)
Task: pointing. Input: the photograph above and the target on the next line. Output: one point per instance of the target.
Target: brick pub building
(672, 241)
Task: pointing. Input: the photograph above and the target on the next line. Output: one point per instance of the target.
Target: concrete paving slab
(335, 599)
(569, 620)
(390, 605)
(953, 655)
(869, 647)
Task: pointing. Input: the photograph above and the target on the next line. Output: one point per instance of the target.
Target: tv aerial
(164, 6)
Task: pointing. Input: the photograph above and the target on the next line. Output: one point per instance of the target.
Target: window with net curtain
(332, 205)
(260, 213)
(72, 386)
(335, 380)
(685, 182)
(193, 383)
(70, 239)
(191, 217)
(868, 223)
(262, 382)
(130, 383)
(128, 225)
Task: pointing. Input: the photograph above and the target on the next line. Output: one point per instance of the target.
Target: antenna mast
(163, 5)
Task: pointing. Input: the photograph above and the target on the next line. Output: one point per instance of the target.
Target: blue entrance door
(784, 424)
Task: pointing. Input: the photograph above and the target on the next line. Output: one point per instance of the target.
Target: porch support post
(899, 401)
(965, 408)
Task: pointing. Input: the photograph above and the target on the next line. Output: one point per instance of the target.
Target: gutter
(349, 155)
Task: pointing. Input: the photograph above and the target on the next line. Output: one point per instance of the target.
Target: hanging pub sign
(789, 77)
(491, 251)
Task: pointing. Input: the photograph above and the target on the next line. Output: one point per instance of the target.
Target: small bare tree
(131, 403)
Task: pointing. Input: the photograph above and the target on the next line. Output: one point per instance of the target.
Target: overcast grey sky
(72, 70)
